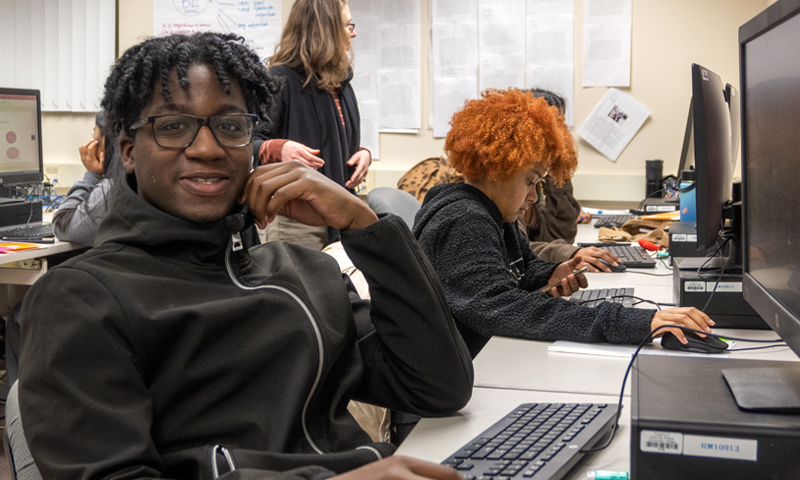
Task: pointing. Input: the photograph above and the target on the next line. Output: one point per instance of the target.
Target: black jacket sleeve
(483, 295)
(416, 360)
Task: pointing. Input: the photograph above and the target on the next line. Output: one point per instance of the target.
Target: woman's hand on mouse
(684, 316)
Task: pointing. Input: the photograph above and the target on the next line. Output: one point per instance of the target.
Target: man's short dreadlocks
(132, 80)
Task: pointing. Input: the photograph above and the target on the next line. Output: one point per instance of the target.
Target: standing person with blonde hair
(317, 121)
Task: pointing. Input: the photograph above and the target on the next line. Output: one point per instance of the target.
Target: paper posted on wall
(613, 123)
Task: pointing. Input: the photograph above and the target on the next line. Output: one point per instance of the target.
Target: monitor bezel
(763, 302)
(18, 178)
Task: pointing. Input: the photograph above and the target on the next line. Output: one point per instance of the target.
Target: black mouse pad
(770, 389)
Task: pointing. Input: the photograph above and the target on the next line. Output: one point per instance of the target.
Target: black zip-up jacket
(490, 277)
(169, 338)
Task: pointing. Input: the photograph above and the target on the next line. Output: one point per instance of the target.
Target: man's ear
(126, 152)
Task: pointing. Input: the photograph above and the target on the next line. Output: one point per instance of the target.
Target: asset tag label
(724, 286)
(720, 447)
(661, 442)
(679, 237)
(694, 287)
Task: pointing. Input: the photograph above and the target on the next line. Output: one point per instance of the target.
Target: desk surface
(511, 371)
(434, 439)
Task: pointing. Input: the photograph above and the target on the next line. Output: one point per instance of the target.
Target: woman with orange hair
(504, 144)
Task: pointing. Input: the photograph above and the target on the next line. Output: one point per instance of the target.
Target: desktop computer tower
(20, 212)
(727, 306)
(685, 424)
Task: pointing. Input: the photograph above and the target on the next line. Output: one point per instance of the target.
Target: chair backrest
(392, 200)
(19, 456)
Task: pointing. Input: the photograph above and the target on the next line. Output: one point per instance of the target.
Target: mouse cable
(782, 344)
(650, 274)
(644, 341)
(666, 265)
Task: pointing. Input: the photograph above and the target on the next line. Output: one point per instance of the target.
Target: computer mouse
(695, 344)
(619, 268)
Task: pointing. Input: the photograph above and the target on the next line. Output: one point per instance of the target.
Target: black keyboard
(612, 220)
(534, 441)
(592, 297)
(632, 256)
(29, 231)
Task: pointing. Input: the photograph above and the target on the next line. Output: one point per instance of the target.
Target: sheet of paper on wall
(454, 59)
(613, 123)
(501, 42)
(399, 60)
(607, 43)
(368, 110)
(550, 50)
(258, 21)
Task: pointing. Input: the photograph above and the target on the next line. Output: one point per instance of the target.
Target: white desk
(511, 371)
(19, 270)
(435, 439)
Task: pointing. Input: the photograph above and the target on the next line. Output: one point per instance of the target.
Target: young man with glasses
(172, 350)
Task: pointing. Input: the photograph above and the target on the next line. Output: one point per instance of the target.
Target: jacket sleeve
(85, 408)
(484, 296)
(81, 212)
(556, 251)
(415, 361)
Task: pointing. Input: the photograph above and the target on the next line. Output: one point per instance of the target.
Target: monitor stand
(765, 389)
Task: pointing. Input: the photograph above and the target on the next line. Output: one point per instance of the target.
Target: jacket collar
(134, 222)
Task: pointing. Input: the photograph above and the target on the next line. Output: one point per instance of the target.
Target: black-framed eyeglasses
(180, 130)
(350, 26)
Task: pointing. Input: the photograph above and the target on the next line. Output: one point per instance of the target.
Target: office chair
(17, 452)
(392, 200)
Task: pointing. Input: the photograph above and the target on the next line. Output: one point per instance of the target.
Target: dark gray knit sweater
(490, 277)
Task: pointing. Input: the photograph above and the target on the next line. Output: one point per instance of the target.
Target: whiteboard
(257, 21)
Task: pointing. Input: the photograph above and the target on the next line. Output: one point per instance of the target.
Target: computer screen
(20, 137)
(712, 153)
(770, 96)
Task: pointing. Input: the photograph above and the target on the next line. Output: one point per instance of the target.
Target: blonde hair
(309, 40)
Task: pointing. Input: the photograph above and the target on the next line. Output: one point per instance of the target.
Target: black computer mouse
(695, 344)
(619, 268)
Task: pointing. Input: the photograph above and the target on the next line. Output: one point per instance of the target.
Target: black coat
(490, 276)
(309, 116)
(165, 340)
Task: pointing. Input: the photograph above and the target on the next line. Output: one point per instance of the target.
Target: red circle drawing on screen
(11, 137)
(12, 153)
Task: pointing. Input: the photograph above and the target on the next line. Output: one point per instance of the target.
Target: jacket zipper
(236, 239)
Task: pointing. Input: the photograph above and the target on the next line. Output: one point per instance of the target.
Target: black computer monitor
(770, 96)
(712, 153)
(20, 137)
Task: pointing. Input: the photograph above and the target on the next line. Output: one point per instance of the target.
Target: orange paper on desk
(11, 247)
(674, 216)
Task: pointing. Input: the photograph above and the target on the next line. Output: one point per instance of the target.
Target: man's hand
(592, 256)
(93, 156)
(294, 190)
(400, 468)
(362, 160)
(568, 283)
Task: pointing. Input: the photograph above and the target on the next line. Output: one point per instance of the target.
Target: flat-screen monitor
(770, 97)
(20, 137)
(712, 153)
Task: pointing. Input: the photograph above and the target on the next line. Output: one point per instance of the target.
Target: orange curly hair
(505, 131)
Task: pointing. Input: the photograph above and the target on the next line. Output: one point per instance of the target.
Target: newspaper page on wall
(258, 21)
(613, 123)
